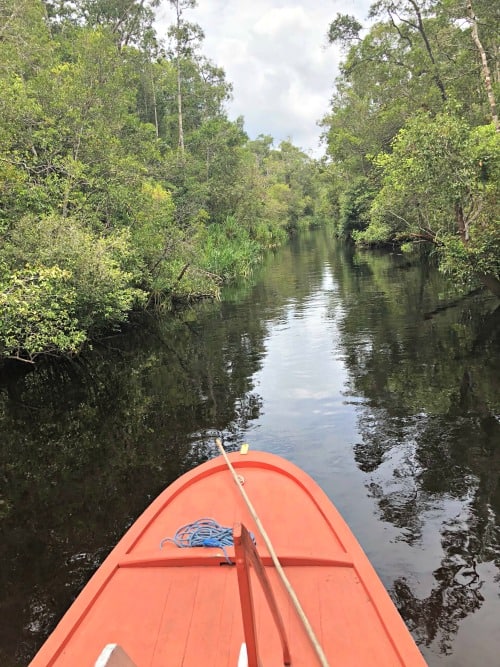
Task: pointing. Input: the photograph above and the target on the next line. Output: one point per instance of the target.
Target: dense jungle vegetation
(413, 132)
(123, 183)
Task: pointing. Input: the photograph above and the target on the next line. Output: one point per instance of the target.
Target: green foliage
(354, 206)
(408, 118)
(374, 235)
(344, 29)
(440, 184)
(229, 251)
(130, 22)
(291, 192)
(465, 263)
(154, 234)
(21, 56)
(480, 254)
(427, 174)
(94, 266)
(38, 306)
(94, 182)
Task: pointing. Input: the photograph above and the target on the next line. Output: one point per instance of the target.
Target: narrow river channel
(363, 368)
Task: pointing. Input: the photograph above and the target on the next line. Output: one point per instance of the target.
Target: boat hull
(171, 606)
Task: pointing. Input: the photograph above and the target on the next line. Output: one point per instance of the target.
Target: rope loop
(203, 533)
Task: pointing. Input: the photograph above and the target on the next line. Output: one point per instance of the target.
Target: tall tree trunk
(179, 106)
(179, 87)
(484, 62)
(155, 109)
(421, 29)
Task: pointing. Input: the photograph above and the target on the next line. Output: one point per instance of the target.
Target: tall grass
(229, 251)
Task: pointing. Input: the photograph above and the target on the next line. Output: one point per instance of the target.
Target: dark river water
(364, 369)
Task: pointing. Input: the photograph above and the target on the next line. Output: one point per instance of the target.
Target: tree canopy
(123, 183)
(413, 134)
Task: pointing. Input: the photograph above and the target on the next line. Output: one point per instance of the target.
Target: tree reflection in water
(87, 445)
(430, 425)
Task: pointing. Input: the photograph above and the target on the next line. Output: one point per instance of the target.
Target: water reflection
(367, 370)
(430, 425)
(87, 445)
(120, 424)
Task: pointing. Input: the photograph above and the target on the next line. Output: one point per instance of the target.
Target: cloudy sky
(274, 53)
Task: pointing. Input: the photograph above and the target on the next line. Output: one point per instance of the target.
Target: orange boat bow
(175, 607)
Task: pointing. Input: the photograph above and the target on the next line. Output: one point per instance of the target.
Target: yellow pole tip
(244, 448)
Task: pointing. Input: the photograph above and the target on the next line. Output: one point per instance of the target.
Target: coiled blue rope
(203, 533)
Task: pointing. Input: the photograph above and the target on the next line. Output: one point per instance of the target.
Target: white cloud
(281, 20)
(274, 53)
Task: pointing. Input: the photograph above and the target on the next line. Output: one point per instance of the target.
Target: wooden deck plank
(207, 621)
(175, 628)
